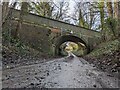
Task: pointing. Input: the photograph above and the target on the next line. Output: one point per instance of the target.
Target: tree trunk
(101, 7)
(109, 8)
(24, 10)
(81, 21)
(5, 10)
(117, 16)
(91, 19)
(116, 9)
(119, 19)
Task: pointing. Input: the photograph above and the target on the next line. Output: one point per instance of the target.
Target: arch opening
(70, 43)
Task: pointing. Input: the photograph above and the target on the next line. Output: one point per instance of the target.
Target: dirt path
(59, 73)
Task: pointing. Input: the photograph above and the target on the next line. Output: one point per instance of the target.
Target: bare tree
(61, 10)
(85, 14)
(41, 8)
(79, 14)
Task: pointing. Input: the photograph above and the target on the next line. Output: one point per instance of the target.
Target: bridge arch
(66, 38)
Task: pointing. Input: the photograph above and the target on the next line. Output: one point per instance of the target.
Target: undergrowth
(105, 48)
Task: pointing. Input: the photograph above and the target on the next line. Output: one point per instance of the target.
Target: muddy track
(59, 73)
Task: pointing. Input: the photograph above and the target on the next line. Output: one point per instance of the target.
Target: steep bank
(106, 56)
(17, 54)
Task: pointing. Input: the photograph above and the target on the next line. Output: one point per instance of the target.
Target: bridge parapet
(55, 23)
(88, 36)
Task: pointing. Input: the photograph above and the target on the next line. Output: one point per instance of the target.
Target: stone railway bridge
(47, 34)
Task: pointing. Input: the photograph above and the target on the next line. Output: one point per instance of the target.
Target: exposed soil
(64, 72)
